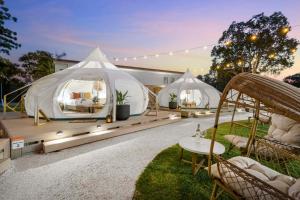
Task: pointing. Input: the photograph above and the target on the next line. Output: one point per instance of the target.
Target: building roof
(127, 67)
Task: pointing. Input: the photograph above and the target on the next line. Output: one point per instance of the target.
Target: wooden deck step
(105, 133)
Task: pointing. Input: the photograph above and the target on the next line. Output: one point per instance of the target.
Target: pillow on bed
(76, 95)
(87, 95)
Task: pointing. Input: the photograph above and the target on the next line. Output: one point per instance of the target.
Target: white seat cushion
(238, 184)
(294, 190)
(284, 130)
(238, 141)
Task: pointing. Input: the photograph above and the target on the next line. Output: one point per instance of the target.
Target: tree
(208, 78)
(8, 38)
(9, 76)
(258, 45)
(37, 64)
(293, 80)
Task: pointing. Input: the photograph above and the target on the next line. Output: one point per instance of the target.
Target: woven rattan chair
(267, 175)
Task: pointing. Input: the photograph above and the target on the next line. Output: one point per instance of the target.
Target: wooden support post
(4, 104)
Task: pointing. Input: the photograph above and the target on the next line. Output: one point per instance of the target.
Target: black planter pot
(172, 105)
(123, 112)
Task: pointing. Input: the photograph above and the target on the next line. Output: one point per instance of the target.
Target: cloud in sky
(130, 28)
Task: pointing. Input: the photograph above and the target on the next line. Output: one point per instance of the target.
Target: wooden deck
(56, 135)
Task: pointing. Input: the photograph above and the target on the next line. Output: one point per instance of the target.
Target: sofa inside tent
(85, 90)
(190, 92)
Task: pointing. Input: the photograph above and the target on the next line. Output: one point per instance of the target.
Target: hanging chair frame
(260, 94)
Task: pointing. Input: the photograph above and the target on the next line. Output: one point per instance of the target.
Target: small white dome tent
(85, 90)
(191, 92)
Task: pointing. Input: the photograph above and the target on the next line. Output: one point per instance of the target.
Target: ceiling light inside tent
(157, 55)
(134, 58)
(186, 51)
(171, 53)
(125, 59)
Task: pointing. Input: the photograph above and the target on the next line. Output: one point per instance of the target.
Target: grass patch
(167, 178)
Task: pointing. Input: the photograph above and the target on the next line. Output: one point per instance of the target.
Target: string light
(285, 30)
(293, 50)
(253, 37)
(240, 62)
(228, 43)
(272, 55)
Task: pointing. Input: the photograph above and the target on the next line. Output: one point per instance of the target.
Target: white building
(149, 77)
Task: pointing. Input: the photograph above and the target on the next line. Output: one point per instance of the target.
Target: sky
(129, 28)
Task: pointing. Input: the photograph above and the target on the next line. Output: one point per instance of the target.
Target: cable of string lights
(185, 51)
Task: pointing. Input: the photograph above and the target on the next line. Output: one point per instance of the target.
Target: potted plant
(173, 101)
(123, 109)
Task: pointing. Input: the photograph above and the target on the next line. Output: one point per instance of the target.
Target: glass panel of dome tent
(190, 98)
(83, 96)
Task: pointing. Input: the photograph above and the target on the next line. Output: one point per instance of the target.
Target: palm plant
(173, 97)
(121, 97)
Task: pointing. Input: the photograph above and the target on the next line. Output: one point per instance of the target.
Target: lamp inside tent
(85, 90)
(190, 92)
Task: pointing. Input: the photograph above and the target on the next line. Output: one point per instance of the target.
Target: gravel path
(102, 170)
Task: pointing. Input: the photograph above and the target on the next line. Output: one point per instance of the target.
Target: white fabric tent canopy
(190, 89)
(48, 92)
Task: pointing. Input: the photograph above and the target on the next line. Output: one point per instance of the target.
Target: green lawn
(167, 178)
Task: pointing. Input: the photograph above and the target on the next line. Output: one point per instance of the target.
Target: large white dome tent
(85, 90)
(191, 92)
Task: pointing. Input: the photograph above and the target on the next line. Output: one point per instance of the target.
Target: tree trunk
(254, 69)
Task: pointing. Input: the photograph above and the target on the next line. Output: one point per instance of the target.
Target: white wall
(150, 77)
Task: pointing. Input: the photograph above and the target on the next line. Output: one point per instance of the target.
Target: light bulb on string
(228, 43)
(145, 57)
(125, 59)
(293, 50)
(156, 55)
(134, 58)
(171, 53)
(186, 51)
(285, 30)
(253, 37)
(272, 55)
(239, 62)
(117, 59)
(205, 47)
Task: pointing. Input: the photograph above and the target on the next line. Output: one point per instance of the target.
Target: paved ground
(101, 170)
